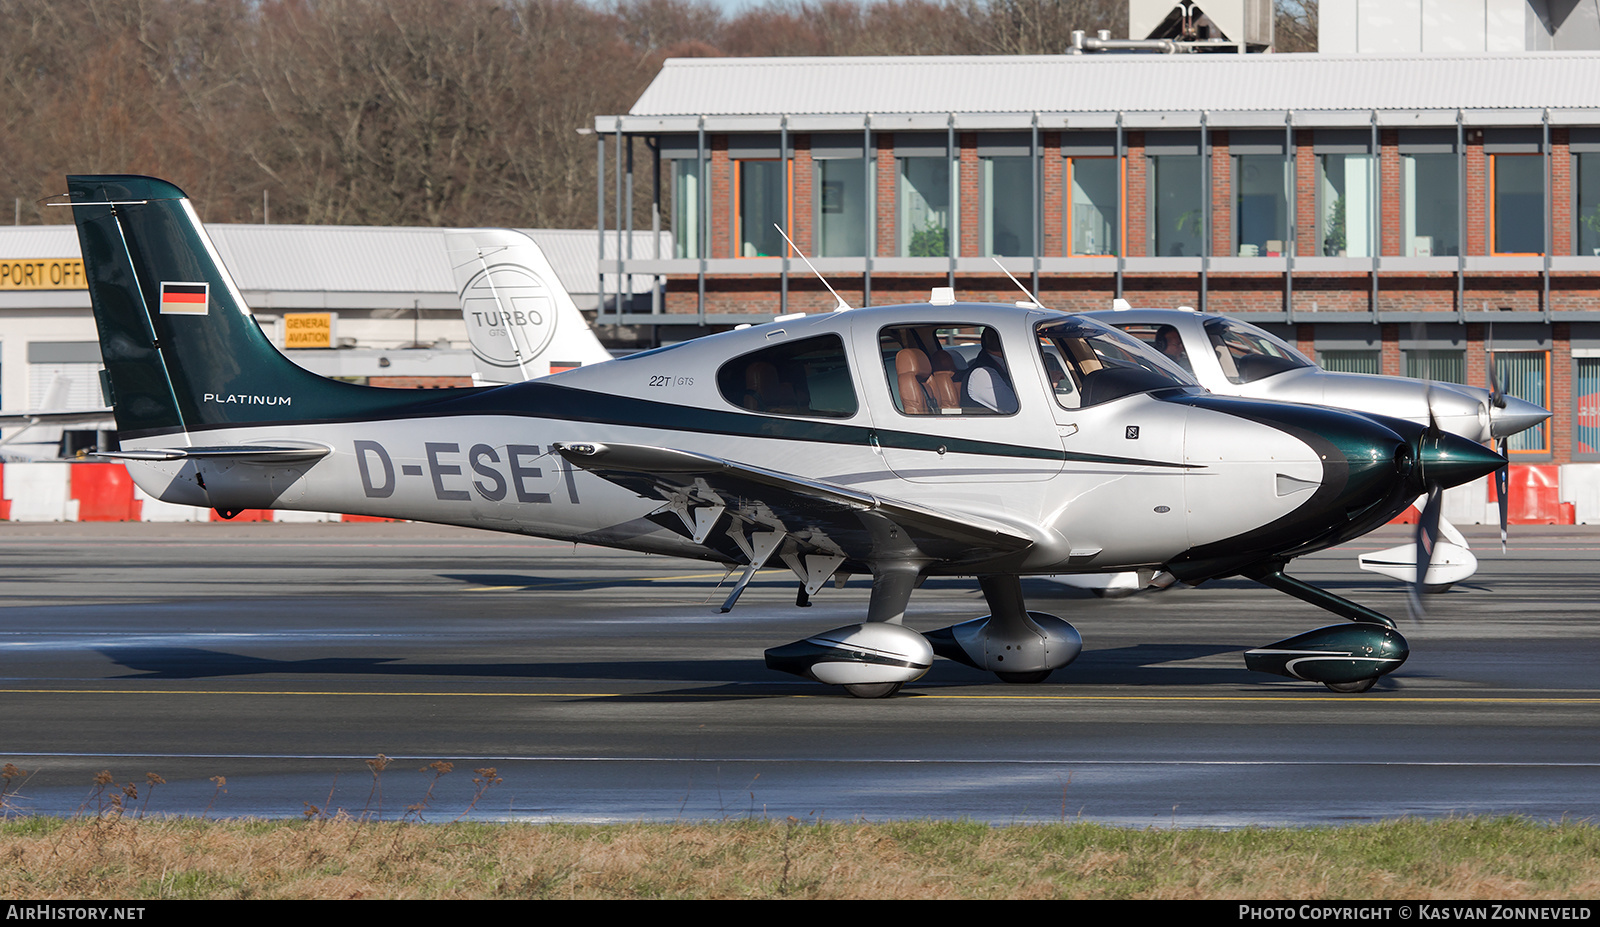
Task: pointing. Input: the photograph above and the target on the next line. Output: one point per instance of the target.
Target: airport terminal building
(1396, 214)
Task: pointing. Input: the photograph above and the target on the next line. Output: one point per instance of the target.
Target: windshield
(1089, 363)
(1247, 353)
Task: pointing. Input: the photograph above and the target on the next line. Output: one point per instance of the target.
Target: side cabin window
(941, 369)
(808, 377)
(1088, 363)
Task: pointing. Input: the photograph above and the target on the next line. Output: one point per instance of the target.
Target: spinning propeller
(1428, 521)
(1502, 476)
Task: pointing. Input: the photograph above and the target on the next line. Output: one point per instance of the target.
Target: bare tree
(1044, 27)
(1294, 25)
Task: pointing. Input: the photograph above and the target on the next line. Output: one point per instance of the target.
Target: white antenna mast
(1031, 298)
(841, 306)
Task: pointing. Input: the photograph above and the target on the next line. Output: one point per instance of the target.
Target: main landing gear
(876, 658)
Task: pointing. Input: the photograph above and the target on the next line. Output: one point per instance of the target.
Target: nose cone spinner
(1450, 460)
(1517, 415)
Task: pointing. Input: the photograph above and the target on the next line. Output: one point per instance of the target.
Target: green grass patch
(1467, 858)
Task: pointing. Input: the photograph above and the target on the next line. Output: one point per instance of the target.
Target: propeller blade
(1419, 334)
(1497, 396)
(1427, 540)
(1502, 489)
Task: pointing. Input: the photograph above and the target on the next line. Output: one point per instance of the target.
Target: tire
(873, 689)
(1025, 678)
(1351, 688)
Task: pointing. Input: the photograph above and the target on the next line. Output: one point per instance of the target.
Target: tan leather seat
(912, 370)
(942, 382)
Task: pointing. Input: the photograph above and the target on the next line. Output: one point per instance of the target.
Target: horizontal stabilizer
(262, 454)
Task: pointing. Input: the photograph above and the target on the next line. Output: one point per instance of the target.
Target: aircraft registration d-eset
(898, 442)
(445, 474)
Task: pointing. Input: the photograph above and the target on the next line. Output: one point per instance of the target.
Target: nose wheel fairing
(1344, 657)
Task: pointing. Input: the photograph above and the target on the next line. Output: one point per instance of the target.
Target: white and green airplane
(900, 442)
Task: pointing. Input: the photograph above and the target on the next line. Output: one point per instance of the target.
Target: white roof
(1517, 86)
(369, 261)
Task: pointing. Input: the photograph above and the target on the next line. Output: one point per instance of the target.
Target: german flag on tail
(184, 298)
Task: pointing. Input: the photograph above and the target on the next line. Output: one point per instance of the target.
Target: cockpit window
(809, 377)
(1089, 363)
(1162, 337)
(943, 369)
(1247, 353)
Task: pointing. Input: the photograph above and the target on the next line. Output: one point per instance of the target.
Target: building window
(929, 217)
(1431, 205)
(763, 206)
(1094, 201)
(1516, 204)
(687, 199)
(1524, 374)
(1446, 366)
(1261, 204)
(1007, 191)
(1348, 205)
(1178, 221)
(1586, 400)
(842, 203)
(1351, 361)
(1586, 167)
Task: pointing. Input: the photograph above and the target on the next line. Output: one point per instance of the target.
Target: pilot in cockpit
(1170, 343)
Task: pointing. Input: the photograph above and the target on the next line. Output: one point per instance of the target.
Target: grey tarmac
(604, 686)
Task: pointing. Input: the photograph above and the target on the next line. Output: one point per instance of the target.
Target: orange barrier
(1535, 496)
(104, 492)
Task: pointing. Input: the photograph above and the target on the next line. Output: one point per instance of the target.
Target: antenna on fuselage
(841, 306)
(1031, 298)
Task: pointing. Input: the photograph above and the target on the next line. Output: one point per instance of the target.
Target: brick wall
(801, 211)
(970, 183)
(1135, 202)
(1053, 193)
(888, 208)
(1391, 221)
(1221, 196)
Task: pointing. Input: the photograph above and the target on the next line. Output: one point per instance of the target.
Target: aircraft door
(958, 402)
(1123, 475)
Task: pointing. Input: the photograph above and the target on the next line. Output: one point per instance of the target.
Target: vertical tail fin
(181, 349)
(520, 319)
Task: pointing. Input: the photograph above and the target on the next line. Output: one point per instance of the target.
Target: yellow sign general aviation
(308, 330)
(42, 274)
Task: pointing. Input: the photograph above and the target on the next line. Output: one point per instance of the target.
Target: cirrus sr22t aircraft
(901, 442)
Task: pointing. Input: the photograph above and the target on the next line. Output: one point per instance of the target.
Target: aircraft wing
(820, 517)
